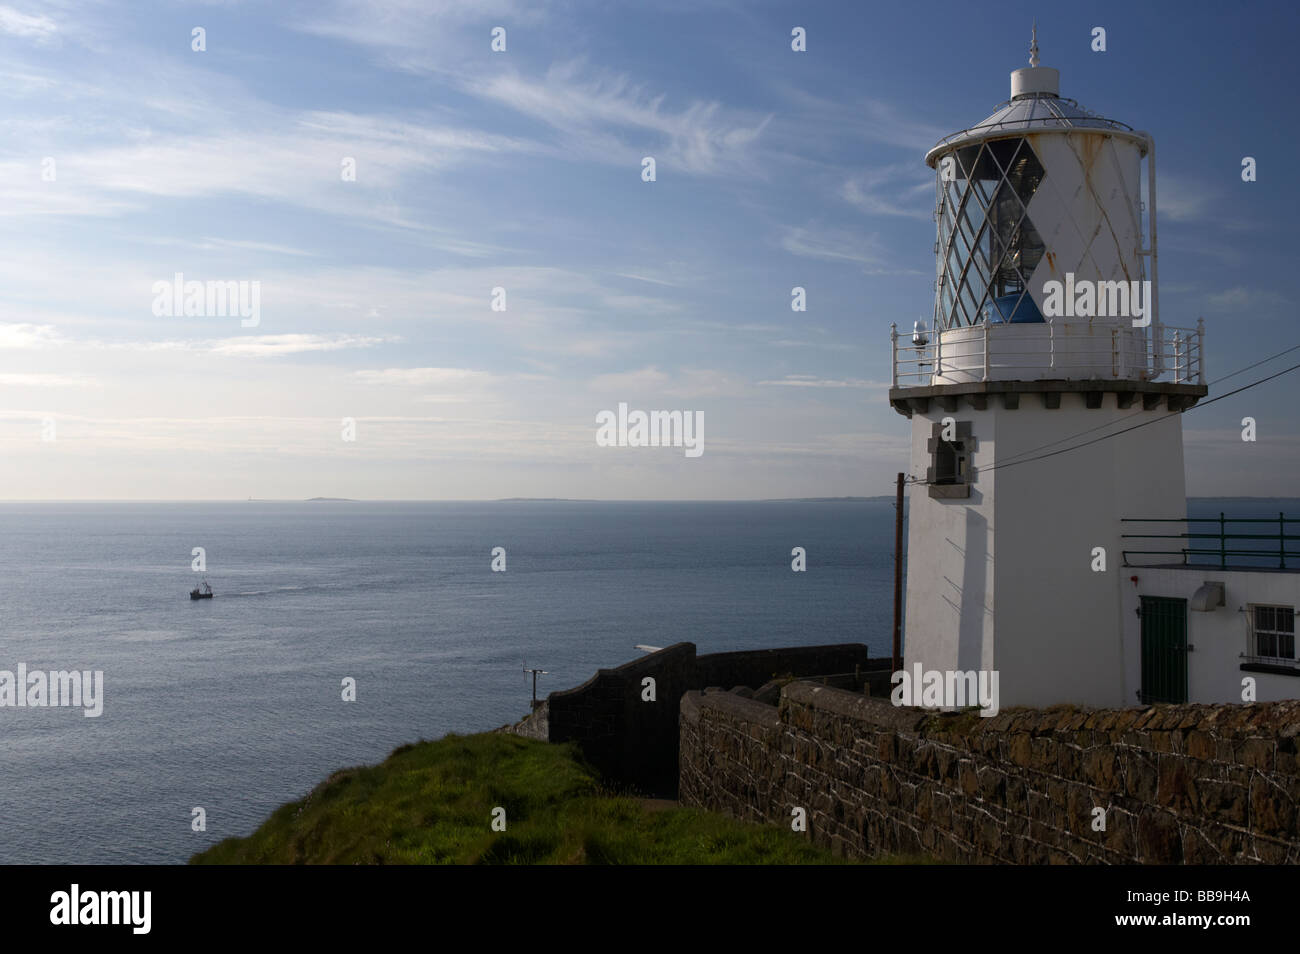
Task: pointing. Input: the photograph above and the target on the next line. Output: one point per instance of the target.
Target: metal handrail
(1178, 352)
(1280, 552)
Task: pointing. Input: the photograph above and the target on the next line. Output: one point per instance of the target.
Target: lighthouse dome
(1033, 112)
(1036, 105)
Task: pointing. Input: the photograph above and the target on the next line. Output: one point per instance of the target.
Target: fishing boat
(203, 592)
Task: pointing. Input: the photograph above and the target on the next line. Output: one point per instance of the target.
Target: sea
(235, 705)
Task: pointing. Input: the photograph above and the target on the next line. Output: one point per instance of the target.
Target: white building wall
(949, 618)
(1059, 634)
(1218, 638)
(1031, 606)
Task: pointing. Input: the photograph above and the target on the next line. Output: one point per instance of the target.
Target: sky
(378, 367)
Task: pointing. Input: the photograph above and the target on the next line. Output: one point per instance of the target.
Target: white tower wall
(1060, 638)
(950, 609)
(1003, 579)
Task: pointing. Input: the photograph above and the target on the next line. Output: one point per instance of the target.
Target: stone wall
(633, 742)
(629, 741)
(535, 726)
(1188, 784)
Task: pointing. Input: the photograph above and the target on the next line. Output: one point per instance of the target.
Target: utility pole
(898, 577)
(536, 673)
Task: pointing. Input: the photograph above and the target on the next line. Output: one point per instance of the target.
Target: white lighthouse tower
(1045, 341)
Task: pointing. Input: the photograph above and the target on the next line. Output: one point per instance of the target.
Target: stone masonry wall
(633, 742)
(1188, 784)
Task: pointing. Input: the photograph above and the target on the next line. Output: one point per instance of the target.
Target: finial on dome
(1035, 80)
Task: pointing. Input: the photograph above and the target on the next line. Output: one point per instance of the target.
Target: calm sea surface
(234, 705)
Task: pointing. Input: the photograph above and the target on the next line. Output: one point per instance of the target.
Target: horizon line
(847, 497)
(9, 500)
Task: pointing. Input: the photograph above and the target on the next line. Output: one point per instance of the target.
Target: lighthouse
(1044, 397)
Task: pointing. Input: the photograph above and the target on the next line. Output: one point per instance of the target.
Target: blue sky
(522, 170)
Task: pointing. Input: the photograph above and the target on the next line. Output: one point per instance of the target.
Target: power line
(1157, 420)
(1255, 365)
(1247, 387)
(1013, 459)
(1134, 414)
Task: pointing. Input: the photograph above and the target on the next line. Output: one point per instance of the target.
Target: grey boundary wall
(1184, 784)
(634, 743)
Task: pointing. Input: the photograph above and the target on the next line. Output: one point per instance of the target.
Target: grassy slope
(431, 803)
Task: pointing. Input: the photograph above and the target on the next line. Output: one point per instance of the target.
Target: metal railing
(1225, 555)
(1082, 348)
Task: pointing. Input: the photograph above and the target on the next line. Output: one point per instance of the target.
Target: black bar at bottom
(932, 904)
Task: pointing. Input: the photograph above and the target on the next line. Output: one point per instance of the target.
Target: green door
(1164, 649)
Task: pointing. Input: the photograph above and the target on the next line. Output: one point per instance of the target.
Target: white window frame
(1254, 633)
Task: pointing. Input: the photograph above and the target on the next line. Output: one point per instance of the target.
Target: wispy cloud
(608, 117)
(640, 381)
(1241, 300)
(244, 244)
(1182, 199)
(26, 25)
(420, 35)
(813, 381)
(272, 154)
(22, 380)
(903, 190)
(862, 119)
(277, 346)
(441, 385)
(424, 377)
(22, 336)
(651, 383)
(840, 245)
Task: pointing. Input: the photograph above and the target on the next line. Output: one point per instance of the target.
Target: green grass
(431, 803)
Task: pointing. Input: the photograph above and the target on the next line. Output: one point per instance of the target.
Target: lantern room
(1038, 190)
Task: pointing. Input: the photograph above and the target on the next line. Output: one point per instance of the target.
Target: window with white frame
(1272, 632)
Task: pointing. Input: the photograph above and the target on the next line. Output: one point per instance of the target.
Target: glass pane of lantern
(970, 303)
(966, 157)
(1025, 173)
(977, 264)
(984, 177)
(954, 190)
(985, 168)
(1004, 152)
(1004, 220)
(947, 302)
(969, 219)
(958, 314)
(952, 270)
(983, 189)
(962, 243)
(1029, 248)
